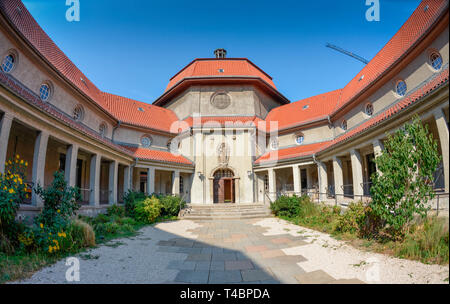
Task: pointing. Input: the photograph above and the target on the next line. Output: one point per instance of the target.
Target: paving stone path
(220, 251)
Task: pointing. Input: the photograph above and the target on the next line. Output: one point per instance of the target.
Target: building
(221, 131)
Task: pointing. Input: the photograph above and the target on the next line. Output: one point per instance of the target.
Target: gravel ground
(158, 254)
(343, 261)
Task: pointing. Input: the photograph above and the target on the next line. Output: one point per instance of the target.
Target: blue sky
(133, 47)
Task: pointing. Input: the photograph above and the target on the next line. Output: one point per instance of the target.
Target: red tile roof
(127, 110)
(304, 111)
(404, 103)
(158, 155)
(411, 31)
(21, 18)
(289, 153)
(27, 95)
(304, 150)
(209, 67)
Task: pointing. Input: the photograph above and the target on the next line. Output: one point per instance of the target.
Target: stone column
(323, 181)
(338, 177)
(136, 179)
(442, 127)
(297, 179)
(377, 150)
(272, 184)
(127, 173)
(40, 152)
(357, 173)
(112, 184)
(150, 181)
(309, 180)
(5, 129)
(71, 165)
(94, 180)
(176, 182)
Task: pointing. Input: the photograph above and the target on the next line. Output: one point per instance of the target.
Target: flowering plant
(13, 191)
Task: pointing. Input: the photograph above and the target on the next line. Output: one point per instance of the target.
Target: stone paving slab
(223, 277)
(256, 275)
(192, 276)
(239, 265)
(315, 277)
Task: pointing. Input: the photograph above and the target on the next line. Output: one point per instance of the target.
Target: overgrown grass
(425, 240)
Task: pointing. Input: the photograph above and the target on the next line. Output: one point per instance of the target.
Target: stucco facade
(221, 131)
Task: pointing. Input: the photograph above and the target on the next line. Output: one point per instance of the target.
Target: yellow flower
(17, 156)
(41, 225)
(59, 211)
(21, 162)
(11, 191)
(26, 164)
(50, 249)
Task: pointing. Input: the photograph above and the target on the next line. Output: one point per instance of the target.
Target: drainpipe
(114, 130)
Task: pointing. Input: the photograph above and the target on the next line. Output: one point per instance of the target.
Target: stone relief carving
(223, 154)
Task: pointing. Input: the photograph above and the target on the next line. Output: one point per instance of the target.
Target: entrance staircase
(225, 211)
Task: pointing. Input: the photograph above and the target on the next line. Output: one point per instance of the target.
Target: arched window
(299, 139)
(369, 109)
(78, 113)
(400, 88)
(223, 173)
(435, 60)
(274, 144)
(8, 63)
(45, 92)
(344, 125)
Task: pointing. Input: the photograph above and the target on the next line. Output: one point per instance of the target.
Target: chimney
(220, 53)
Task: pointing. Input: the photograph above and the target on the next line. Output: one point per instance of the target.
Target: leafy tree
(405, 185)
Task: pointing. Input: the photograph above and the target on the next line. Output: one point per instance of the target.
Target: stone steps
(228, 211)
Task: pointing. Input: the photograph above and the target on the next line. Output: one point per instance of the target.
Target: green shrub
(148, 210)
(352, 219)
(126, 221)
(171, 205)
(286, 206)
(101, 218)
(116, 210)
(60, 203)
(131, 198)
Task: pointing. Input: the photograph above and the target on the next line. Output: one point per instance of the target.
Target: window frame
(369, 104)
(144, 137)
(344, 125)
(80, 108)
(13, 64)
(396, 88)
(431, 61)
(49, 91)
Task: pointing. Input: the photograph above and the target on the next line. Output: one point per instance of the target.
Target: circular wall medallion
(221, 100)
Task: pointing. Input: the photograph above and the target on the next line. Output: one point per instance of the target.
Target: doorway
(223, 186)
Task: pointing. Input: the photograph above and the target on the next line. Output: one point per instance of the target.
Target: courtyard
(263, 250)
